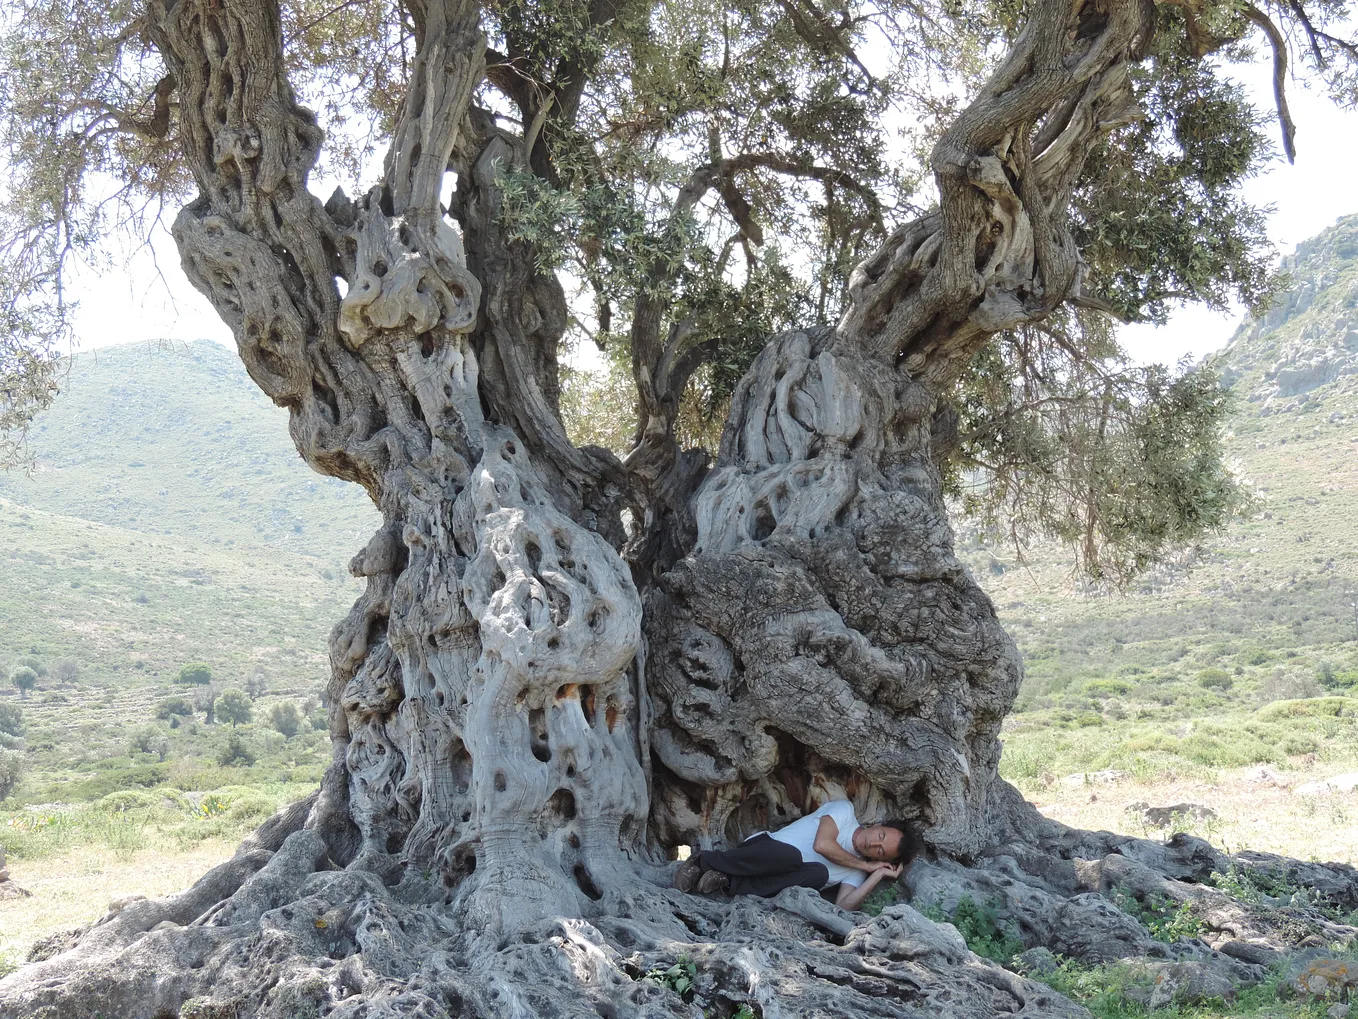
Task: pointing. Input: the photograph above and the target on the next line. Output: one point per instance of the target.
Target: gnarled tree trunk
(522, 737)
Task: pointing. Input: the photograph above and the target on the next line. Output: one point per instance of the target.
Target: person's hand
(890, 871)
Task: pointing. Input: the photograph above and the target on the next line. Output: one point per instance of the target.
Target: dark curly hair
(912, 841)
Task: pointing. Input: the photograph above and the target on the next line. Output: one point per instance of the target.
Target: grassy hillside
(1221, 658)
(132, 606)
(169, 521)
(176, 440)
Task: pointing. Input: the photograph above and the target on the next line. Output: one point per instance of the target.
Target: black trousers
(763, 866)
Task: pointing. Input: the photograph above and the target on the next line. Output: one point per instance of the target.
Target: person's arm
(851, 898)
(827, 844)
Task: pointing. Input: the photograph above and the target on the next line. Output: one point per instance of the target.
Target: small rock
(1249, 951)
(1037, 962)
(1163, 817)
(1326, 978)
(1345, 783)
(1339, 1010)
(1180, 983)
(1262, 775)
(1107, 777)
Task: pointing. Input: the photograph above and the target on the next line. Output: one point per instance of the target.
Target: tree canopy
(702, 176)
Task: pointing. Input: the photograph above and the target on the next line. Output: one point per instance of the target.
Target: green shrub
(35, 664)
(1165, 919)
(252, 808)
(286, 719)
(235, 753)
(11, 770)
(1288, 686)
(1215, 679)
(982, 928)
(1298, 743)
(211, 805)
(234, 706)
(130, 799)
(11, 719)
(174, 706)
(1107, 687)
(1309, 707)
(150, 740)
(1331, 679)
(24, 679)
(109, 780)
(195, 673)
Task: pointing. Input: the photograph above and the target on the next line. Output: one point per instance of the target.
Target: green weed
(983, 929)
(1165, 919)
(679, 978)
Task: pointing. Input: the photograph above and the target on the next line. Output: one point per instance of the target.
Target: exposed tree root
(278, 932)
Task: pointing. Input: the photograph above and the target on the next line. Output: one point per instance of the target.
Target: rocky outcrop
(8, 889)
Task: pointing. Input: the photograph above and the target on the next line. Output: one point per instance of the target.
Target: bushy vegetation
(11, 719)
(234, 707)
(174, 707)
(150, 740)
(981, 926)
(236, 753)
(195, 674)
(24, 680)
(286, 719)
(1116, 991)
(1166, 920)
(129, 821)
(11, 770)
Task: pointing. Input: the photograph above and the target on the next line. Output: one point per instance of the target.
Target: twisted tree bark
(522, 737)
(821, 639)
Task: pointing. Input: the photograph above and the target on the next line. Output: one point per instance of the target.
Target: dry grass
(1251, 814)
(74, 889)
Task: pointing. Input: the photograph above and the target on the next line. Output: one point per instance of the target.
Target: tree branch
(999, 253)
(1279, 44)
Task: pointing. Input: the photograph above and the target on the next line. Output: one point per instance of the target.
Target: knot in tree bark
(410, 277)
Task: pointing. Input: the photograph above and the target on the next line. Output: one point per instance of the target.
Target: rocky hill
(1304, 352)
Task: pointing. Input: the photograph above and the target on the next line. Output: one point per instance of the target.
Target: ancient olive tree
(886, 241)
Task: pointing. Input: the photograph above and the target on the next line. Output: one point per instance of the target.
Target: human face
(877, 842)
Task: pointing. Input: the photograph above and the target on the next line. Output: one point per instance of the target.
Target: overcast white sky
(151, 299)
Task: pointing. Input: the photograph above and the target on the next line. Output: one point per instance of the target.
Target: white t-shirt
(802, 835)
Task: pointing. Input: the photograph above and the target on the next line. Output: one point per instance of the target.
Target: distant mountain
(1305, 350)
(176, 439)
(1270, 600)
